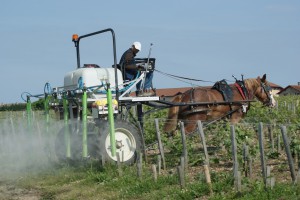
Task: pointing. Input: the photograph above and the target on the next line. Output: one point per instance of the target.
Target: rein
(181, 77)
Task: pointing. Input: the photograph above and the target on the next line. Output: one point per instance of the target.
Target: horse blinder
(266, 88)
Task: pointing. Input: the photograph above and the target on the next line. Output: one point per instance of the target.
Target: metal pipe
(212, 103)
(29, 114)
(66, 127)
(148, 59)
(114, 53)
(84, 125)
(77, 54)
(111, 121)
(46, 108)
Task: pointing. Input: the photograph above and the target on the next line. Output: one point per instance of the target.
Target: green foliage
(286, 111)
(13, 107)
(128, 185)
(149, 124)
(37, 105)
(105, 183)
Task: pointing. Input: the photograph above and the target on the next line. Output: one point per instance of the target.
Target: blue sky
(208, 40)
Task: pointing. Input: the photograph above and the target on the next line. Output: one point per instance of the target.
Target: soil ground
(9, 191)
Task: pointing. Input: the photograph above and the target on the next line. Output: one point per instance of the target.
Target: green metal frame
(111, 121)
(66, 126)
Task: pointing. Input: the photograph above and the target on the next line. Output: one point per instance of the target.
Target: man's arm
(129, 61)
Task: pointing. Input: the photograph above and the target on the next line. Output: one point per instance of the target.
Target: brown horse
(209, 105)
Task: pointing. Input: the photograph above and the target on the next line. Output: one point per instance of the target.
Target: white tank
(92, 77)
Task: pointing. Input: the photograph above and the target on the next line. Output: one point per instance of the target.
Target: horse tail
(170, 125)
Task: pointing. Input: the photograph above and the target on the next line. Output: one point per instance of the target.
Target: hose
(47, 89)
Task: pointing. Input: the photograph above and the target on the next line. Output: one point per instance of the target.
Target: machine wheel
(128, 142)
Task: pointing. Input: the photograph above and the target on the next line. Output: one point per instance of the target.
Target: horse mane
(252, 83)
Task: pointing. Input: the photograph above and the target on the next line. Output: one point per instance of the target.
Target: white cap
(137, 45)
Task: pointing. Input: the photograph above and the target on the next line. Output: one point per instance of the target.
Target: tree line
(37, 105)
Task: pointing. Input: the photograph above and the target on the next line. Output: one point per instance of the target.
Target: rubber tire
(129, 138)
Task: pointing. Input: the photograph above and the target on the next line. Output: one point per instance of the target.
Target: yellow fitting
(101, 102)
(114, 102)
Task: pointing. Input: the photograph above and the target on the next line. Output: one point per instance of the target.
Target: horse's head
(263, 92)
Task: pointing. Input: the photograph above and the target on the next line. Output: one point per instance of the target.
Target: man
(128, 63)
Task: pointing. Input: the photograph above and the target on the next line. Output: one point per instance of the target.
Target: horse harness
(193, 109)
(227, 94)
(241, 87)
(267, 90)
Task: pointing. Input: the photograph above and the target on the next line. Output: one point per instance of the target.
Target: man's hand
(141, 67)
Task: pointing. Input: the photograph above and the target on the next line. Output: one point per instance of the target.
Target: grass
(88, 180)
(92, 181)
(95, 183)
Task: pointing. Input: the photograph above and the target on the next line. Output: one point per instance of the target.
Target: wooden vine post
(234, 151)
(261, 148)
(236, 174)
(202, 136)
(160, 145)
(184, 150)
(288, 153)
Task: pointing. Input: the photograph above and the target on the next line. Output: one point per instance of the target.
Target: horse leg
(190, 124)
(236, 116)
(170, 125)
(189, 127)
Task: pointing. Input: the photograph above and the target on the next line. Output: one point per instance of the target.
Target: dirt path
(8, 191)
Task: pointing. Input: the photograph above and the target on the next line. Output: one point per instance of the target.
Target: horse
(209, 105)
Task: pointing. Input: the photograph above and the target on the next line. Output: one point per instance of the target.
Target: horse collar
(240, 85)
